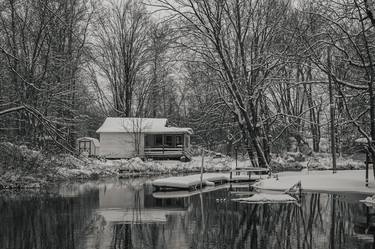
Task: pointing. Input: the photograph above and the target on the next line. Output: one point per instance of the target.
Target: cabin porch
(167, 146)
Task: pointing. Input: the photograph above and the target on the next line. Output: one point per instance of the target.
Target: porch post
(183, 142)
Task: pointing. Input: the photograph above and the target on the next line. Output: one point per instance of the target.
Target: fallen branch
(51, 129)
(13, 109)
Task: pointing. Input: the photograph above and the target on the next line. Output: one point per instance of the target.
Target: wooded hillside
(254, 74)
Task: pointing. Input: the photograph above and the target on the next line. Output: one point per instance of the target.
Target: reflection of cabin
(127, 198)
(126, 216)
(143, 137)
(124, 205)
(88, 145)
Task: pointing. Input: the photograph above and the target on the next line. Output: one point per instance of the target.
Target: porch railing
(163, 151)
(167, 151)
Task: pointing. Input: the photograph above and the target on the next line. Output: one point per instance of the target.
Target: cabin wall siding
(186, 142)
(95, 149)
(120, 145)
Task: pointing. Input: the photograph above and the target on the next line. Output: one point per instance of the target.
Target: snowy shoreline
(38, 171)
(22, 168)
(348, 181)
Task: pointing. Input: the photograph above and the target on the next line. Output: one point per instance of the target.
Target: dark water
(124, 214)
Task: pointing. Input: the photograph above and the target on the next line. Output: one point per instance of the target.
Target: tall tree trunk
(313, 112)
(332, 111)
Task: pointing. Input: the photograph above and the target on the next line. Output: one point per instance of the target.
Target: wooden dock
(193, 182)
(190, 182)
(249, 171)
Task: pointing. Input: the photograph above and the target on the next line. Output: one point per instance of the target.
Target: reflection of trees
(122, 236)
(139, 233)
(122, 233)
(233, 225)
(320, 221)
(45, 222)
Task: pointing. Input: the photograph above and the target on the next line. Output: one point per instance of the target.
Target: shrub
(19, 157)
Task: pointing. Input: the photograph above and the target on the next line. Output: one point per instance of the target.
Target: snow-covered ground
(21, 167)
(321, 181)
(68, 167)
(173, 166)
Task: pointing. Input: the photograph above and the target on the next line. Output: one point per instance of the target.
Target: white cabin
(143, 137)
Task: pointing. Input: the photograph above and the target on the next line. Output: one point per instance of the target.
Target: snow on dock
(191, 181)
(194, 181)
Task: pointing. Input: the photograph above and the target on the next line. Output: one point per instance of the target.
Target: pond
(125, 214)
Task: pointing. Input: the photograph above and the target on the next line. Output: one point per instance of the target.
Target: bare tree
(240, 41)
(43, 47)
(121, 46)
(138, 127)
(347, 28)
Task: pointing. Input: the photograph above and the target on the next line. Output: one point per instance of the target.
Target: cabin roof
(94, 140)
(143, 125)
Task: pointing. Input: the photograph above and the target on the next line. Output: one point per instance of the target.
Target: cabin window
(179, 141)
(168, 141)
(158, 140)
(148, 141)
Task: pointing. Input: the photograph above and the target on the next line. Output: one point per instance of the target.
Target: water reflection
(46, 221)
(125, 214)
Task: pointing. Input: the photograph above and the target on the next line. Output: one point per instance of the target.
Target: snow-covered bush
(68, 161)
(279, 164)
(19, 157)
(323, 161)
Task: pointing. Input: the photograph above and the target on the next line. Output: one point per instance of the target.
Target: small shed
(143, 137)
(88, 145)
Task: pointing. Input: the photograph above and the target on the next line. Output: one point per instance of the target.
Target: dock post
(202, 165)
(367, 163)
(236, 155)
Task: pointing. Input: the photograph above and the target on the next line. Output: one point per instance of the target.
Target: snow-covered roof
(144, 125)
(94, 140)
(173, 130)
